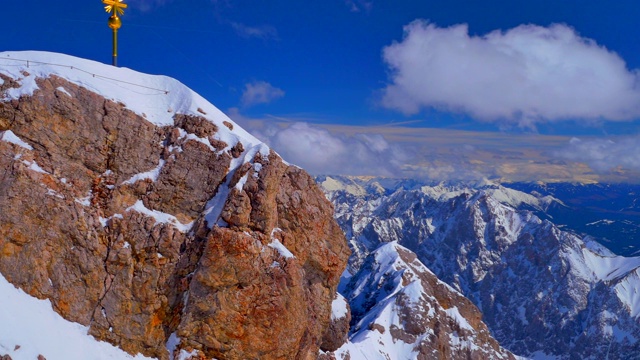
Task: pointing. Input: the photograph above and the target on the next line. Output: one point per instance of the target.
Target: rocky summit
(143, 213)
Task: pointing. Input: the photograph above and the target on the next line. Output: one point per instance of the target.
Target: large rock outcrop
(189, 236)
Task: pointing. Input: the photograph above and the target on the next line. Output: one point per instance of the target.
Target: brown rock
(67, 233)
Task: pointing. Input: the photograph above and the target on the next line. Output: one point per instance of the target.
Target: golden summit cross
(115, 7)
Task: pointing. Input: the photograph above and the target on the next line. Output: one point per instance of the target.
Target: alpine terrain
(543, 292)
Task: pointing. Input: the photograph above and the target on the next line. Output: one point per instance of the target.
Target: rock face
(542, 291)
(188, 231)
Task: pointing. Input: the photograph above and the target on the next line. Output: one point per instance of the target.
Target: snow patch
(276, 244)
(241, 182)
(339, 307)
(34, 166)
(172, 344)
(151, 174)
(32, 324)
(52, 192)
(85, 201)
(454, 313)
(10, 137)
(184, 354)
(214, 207)
(160, 217)
(63, 90)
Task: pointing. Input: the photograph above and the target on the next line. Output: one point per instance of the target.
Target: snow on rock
(276, 244)
(10, 137)
(63, 90)
(608, 268)
(339, 307)
(627, 292)
(160, 217)
(32, 325)
(156, 98)
(215, 205)
(151, 174)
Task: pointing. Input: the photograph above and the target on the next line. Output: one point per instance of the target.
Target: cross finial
(116, 7)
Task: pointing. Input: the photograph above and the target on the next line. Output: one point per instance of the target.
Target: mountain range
(544, 292)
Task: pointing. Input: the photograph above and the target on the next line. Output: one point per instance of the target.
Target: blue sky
(348, 76)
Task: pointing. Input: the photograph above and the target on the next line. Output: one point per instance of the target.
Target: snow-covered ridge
(367, 186)
(154, 97)
(398, 314)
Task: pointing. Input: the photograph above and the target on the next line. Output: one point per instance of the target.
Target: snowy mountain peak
(402, 311)
(154, 97)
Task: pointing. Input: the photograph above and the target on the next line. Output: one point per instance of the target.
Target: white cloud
(260, 92)
(525, 75)
(359, 5)
(604, 155)
(264, 32)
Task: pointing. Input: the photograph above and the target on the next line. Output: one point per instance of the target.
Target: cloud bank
(320, 151)
(522, 76)
(260, 92)
(605, 155)
(437, 154)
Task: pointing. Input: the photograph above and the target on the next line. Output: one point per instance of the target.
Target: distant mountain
(608, 212)
(544, 292)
